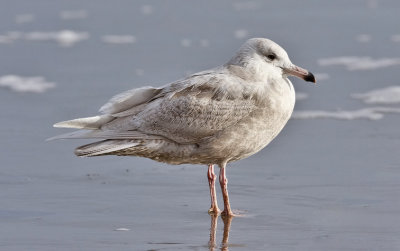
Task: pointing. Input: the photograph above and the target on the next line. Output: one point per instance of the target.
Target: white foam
(372, 4)
(321, 76)
(64, 38)
(396, 38)
(359, 63)
(25, 84)
(241, 33)
(363, 38)
(10, 37)
(186, 42)
(146, 9)
(24, 18)
(301, 96)
(122, 229)
(119, 39)
(387, 95)
(371, 113)
(73, 14)
(204, 43)
(139, 72)
(4, 39)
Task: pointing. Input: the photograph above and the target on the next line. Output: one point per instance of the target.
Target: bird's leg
(211, 182)
(223, 181)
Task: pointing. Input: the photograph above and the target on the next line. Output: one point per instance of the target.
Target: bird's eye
(271, 56)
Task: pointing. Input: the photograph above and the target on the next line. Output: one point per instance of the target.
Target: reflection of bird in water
(212, 244)
(211, 117)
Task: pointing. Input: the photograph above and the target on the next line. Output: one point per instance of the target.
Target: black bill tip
(309, 77)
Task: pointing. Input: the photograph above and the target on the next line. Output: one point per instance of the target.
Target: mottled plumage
(211, 117)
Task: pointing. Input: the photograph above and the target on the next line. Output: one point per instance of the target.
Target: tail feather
(104, 147)
(105, 134)
(80, 134)
(86, 123)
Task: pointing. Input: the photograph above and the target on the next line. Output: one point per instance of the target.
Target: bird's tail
(155, 149)
(106, 147)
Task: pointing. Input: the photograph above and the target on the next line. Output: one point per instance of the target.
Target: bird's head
(265, 57)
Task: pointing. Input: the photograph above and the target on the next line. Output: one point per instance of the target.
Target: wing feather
(85, 123)
(129, 99)
(198, 110)
(185, 111)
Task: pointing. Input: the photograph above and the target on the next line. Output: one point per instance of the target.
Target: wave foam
(388, 95)
(64, 38)
(25, 84)
(372, 113)
(146, 9)
(396, 38)
(241, 34)
(364, 38)
(321, 76)
(10, 37)
(359, 63)
(119, 39)
(301, 96)
(24, 18)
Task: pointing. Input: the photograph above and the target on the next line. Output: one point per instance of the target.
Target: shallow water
(323, 184)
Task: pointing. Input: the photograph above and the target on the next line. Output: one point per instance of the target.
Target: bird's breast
(257, 130)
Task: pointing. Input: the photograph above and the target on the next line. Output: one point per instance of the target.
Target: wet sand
(323, 184)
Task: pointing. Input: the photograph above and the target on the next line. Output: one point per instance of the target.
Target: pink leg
(223, 181)
(211, 182)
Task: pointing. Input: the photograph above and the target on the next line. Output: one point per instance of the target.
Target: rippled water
(328, 182)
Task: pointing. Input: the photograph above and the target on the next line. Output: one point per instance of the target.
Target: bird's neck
(253, 70)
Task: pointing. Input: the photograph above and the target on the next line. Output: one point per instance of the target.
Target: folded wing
(184, 112)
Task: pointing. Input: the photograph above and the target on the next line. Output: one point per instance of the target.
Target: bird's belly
(251, 134)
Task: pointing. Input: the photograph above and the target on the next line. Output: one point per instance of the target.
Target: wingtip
(105, 109)
(91, 123)
(51, 138)
(65, 124)
(57, 125)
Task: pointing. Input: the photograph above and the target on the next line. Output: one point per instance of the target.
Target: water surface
(323, 184)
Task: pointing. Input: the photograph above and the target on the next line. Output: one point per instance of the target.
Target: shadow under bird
(212, 117)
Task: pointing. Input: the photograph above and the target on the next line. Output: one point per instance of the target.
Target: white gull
(211, 117)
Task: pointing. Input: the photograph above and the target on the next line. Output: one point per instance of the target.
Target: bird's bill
(300, 73)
